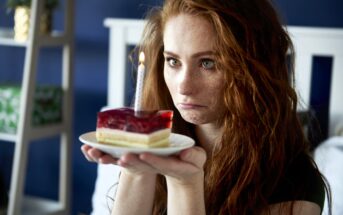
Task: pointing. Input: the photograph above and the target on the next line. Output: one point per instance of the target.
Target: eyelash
(169, 59)
(202, 61)
(207, 60)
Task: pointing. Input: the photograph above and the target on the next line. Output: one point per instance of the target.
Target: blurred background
(90, 83)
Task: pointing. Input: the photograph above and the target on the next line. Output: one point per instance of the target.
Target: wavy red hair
(261, 131)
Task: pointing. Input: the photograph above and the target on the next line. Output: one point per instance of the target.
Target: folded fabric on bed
(329, 158)
(46, 107)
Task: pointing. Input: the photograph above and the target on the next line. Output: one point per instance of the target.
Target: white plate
(177, 142)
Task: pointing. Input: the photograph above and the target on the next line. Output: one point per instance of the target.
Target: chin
(200, 118)
(193, 119)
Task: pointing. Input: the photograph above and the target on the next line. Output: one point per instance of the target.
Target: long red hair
(261, 131)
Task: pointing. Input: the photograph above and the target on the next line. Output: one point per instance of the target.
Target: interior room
(73, 72)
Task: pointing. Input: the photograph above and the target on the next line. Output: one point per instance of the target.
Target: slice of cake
(124, 127)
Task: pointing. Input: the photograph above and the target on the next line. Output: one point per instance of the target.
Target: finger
(195, 155)
(188, 162)
(89, 158)
(85, 147)
(133, 162)
(108, 159)
(85, 150)
(167, 165)
(95, 153)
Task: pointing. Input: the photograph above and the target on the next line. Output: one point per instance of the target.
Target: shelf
(7, 38)
(18, 204)
(40, 206)
(46, 131)
(8, 137)
(37, 132)
(55, 39)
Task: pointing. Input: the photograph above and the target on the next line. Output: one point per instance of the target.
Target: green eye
(207, 64)
(172, 62)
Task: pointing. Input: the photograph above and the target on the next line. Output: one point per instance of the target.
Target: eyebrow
(193, 56)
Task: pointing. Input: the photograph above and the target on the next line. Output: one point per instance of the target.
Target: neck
(207, 135)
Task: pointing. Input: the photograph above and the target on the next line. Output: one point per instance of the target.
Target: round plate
(177, 142)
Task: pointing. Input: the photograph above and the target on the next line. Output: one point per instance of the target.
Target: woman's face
(190, 73)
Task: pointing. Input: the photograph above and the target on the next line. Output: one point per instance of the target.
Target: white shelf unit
(18, 204)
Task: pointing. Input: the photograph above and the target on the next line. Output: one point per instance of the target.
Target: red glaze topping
(141, 122)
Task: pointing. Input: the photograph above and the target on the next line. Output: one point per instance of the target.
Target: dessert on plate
(125, 127)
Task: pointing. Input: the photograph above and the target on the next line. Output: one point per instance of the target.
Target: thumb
(195, 155)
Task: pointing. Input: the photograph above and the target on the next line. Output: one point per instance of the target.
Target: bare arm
(136, 187)
(185, 180)
(135, 194)
(299, 208)
(188, 198)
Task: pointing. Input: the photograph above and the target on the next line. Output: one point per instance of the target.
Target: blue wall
(91, 64)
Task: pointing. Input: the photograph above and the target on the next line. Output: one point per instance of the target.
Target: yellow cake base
(131, 139)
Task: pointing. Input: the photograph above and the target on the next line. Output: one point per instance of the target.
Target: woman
(221, 65)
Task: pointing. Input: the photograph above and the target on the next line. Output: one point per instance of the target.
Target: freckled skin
(189, 82)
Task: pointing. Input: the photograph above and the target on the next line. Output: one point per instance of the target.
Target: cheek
(169, 82)
(214, 87)
(217, 96)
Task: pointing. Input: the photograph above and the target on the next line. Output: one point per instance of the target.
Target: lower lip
(189, 106)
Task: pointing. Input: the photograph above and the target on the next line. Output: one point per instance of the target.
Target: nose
(186, 81)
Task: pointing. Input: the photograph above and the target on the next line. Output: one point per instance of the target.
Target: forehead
(188, 32)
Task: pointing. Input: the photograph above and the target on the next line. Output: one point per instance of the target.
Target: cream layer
(118, 137)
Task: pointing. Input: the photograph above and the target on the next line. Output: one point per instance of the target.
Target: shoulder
(297, 208)
(300, 182)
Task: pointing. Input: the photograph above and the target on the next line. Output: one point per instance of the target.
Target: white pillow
(329, 158)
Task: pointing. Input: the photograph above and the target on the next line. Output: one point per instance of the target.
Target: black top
(301, 182)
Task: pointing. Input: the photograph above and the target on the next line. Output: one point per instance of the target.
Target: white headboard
(308, 42)
(123, 33)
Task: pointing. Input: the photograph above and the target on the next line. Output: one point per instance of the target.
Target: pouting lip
(190, 105)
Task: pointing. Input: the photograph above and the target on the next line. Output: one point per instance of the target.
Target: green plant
(49, 4)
